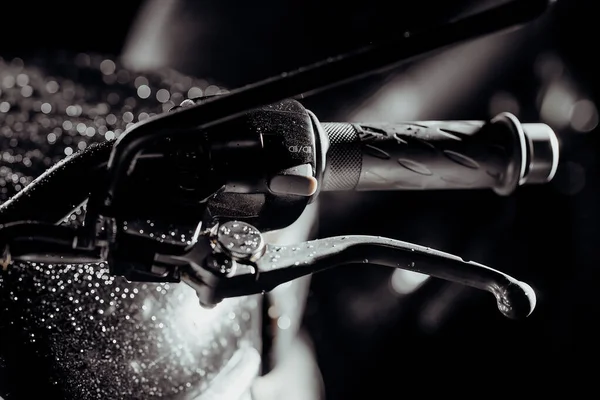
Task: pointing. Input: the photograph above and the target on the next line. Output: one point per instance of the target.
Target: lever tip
(517, 300)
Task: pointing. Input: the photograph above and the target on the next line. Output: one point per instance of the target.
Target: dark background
(366, 336)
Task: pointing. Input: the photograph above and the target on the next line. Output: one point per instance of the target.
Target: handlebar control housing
(261, 167)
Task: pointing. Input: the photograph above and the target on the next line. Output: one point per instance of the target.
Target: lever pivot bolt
(239, 240)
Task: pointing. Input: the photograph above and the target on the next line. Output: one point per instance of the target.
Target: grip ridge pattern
(430, 155)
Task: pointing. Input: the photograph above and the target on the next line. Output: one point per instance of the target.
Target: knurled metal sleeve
(344, 158)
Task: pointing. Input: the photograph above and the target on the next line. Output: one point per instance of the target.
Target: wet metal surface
(73, 331)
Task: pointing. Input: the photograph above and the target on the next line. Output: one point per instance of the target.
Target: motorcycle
(93, 271)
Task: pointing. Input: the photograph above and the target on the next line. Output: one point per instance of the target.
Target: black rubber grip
(500, 154)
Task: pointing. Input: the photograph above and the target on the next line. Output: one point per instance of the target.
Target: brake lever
(241, 263)
(232, 259)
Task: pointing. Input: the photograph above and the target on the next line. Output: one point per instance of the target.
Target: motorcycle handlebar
(431, 155)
